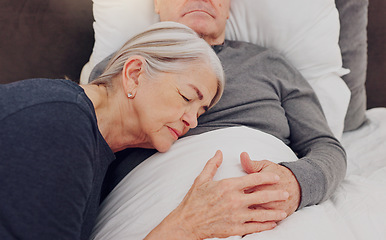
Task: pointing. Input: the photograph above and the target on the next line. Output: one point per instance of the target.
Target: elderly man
(265, 92)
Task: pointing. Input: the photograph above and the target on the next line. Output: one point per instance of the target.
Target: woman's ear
(131, 72)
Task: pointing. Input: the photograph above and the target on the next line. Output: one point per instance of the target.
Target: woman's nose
(190, 119)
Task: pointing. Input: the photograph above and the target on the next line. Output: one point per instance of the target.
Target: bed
(355, 211)
(68, 38)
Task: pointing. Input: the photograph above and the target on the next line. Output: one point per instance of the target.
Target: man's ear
(132, 70)
(156, 7)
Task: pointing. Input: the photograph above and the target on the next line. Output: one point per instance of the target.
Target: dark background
(54, 39)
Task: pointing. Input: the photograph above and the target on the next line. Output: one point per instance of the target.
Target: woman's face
(168, 106)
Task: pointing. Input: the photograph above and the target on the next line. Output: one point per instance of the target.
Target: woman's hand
(222, 208)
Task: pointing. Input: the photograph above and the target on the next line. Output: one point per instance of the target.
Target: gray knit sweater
(264, 91)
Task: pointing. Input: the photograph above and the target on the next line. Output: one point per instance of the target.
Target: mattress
(155, 187)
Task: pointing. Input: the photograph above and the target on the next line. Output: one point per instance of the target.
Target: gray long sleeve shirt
(264, 91)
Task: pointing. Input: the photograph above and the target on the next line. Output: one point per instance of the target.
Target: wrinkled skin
(223, 208)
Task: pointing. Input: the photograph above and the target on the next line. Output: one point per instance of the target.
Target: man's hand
(287, 183)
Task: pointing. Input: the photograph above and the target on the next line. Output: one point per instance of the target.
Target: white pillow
(305, 32)
(164, 179)
(155, 187)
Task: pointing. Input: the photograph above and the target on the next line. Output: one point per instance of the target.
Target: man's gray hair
(166, 47)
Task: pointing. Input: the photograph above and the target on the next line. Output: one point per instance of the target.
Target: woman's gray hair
(166, 47)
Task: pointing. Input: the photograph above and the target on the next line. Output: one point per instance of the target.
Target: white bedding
(356, 210)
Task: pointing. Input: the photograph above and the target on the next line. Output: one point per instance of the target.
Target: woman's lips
(175, 133)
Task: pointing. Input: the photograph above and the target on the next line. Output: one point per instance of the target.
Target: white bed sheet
(356, 211)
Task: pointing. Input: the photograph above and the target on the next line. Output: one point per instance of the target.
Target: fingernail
(283, 215)
(277, 178)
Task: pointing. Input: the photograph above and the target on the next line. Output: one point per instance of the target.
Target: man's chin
(199, 25)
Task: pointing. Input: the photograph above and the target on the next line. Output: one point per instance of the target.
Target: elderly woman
(57, 138)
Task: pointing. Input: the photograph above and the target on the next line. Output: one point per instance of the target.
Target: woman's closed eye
(184, 97)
